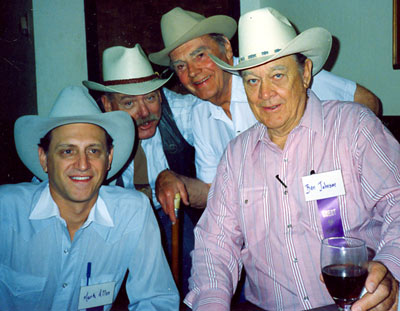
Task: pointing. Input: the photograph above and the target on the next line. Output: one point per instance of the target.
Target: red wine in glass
(344, 282)
(344, 269)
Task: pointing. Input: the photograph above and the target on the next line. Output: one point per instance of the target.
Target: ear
(228, 51)
(106, 103)
(110, 158)
(307, 73)
(43, 158)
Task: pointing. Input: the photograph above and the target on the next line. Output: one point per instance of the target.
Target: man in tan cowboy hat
(67, 242)
(307, 170)
(164, 123)
(188, 39)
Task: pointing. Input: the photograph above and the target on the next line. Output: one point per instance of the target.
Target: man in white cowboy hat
(188, 39)
(164, 124)
(67, 242)
(267, 211)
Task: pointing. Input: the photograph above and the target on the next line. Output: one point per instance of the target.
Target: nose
(266, 90)
(193, 69)
(143, 109)
(83, 161)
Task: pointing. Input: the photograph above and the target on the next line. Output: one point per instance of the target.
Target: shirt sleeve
(328, 86)
(218, 241)
(377, 157)
(150, 285)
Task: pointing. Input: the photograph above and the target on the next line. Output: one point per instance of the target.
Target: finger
(183, 193)
(376, 273)
(381, 299)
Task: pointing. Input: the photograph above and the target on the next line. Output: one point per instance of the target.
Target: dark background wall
(17, 82)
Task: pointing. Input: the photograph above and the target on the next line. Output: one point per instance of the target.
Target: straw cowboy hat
(127, 71)
(73, 105)
(179, 26)
(266, 35)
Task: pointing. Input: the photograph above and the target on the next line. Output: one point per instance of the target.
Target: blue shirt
(42, 269)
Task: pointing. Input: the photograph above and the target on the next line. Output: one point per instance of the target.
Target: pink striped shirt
(251, 221)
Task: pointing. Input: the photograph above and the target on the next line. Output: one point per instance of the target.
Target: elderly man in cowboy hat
(164, 123)
(267, 211)
(188, 39)
(67, 242)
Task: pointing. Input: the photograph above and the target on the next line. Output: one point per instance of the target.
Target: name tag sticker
(96, 295)
(323, 185)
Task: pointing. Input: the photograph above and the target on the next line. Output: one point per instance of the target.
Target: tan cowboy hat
(73, 105)
(179, 26)
(127, 71)
(266, 35)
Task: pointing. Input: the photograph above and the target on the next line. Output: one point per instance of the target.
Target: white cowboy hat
(179, 26)
(127, 71)
(73, 105)
(265, 35)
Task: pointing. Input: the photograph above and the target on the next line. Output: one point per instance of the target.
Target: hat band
(257, 55)
(129, 81)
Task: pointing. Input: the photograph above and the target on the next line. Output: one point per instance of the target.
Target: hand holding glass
(344, 264)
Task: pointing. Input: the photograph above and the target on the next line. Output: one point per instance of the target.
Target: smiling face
(198, 73)
(144, 109)
(76, 162)
(277, 93)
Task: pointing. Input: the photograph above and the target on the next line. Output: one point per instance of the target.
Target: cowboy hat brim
(130, 88)
(28, 131)
(314, 43)
(215, 24)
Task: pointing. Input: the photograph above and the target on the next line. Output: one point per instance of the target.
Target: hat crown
(121, 63)
(176, 23)
(74, 101)
(276, 29)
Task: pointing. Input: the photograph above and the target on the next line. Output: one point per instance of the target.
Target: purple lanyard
(329, 214)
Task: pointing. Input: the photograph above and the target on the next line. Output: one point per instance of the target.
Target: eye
(94, 152)
(66, 152)
(180, 67)
(150, 98)
(278, 76)
(252, 82)
(200, 55)
(128, 105)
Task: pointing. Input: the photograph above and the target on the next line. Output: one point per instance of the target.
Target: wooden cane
(175, 241)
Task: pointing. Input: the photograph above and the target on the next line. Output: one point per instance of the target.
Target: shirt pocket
(19, 290)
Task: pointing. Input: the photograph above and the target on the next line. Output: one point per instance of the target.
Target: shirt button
(65, 285)
(66, 251)
(306, 298)
(289, 226)
(285, 160)
(295, 260)
(245, 201)
(285, 192)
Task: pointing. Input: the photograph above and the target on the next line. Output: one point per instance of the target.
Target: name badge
(323, 185)
(96, 295)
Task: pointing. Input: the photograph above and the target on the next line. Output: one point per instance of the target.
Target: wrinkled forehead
(191, 47)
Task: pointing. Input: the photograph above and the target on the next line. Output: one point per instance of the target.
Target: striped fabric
(252, 220)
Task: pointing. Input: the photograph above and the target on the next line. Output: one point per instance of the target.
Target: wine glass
(344, 269)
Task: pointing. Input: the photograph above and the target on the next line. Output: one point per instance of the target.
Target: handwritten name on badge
(96, 295)
(323, 185)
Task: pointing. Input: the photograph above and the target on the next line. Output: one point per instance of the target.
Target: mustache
(151, 117)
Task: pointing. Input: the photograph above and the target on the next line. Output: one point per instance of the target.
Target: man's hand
(167, 185)
(382, 290)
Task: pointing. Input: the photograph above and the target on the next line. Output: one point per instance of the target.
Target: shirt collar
(46, 208)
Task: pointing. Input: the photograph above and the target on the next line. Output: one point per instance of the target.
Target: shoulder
(329, 86)
(19, 192)
(177, 100)
(124, 202)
